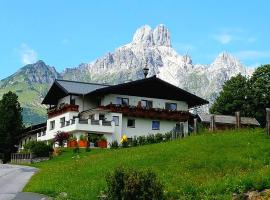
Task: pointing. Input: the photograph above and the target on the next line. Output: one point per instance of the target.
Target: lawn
(207, 166)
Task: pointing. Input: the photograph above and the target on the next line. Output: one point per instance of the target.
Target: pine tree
(11, 124)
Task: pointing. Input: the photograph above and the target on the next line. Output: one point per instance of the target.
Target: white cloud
(252, 54)
(223, 38)
(27, 54)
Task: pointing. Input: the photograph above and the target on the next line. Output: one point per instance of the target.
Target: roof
(152, 87)
(62, 88)
(228, 119)
(34, 129)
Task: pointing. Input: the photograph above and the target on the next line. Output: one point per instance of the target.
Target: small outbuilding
(222, 122)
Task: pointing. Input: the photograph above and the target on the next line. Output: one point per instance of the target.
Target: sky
(66, 33)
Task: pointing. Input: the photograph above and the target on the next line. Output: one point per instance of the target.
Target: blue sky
(67, 33)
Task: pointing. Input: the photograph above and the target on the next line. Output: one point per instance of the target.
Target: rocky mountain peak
(37, 72)
(226, 61)
(145, 35)
(161, 36)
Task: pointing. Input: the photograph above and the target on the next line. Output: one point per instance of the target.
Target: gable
(152, 87)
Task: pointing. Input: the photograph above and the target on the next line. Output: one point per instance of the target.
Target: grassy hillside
(30, 98)
(208, 166)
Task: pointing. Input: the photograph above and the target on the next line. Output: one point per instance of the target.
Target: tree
(232, 98)
(61, 137)
(259, 93)
(11, 124)
(250, 96)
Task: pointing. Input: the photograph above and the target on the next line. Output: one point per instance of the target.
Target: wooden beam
(238, 119)
(268, 120)
(212, 123)
(195, 126)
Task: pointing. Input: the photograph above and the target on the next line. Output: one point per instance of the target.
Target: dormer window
(171, 106)
(122, 101)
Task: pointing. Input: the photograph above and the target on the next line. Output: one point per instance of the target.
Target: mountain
(149, 47)
(31, 84)
(153, 48)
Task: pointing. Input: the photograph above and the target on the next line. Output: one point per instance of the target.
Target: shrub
(150, 138)
(159, 137)
(83, 138)
(168, 136)
(124, 141)
(114, 145)
(141, 140)
(128, 184)
(40, 149)
(134, 141)
(60, 138)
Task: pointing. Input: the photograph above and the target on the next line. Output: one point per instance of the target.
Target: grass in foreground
(209, 166)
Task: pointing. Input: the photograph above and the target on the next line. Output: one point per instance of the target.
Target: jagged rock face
(38, 72)
(152, 48)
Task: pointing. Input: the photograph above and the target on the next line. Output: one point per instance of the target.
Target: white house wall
(144, 127)
(50, 133)
(133, 101)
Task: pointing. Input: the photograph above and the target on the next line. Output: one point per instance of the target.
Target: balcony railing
(153, 113)
(89, 125)
(63, 108)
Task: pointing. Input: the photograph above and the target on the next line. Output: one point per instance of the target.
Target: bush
(40, 149)
(60, 138)
(114, 145)
(134, 141)
(150, 138)
(168, 136)
(141, 140)
(158, 137)
(128, 184)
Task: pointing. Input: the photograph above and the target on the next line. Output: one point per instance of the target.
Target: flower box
(72, 143)
(83, 143)
(102, 144)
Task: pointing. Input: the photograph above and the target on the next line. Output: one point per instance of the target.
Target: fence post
(212, 123)
(268, 120)
(195, 126)
(238, 119)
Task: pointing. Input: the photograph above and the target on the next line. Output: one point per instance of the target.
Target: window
(125, 102)
(131, 123)
(171, 106)
(155, 125)
(147, 104)
(72, 100)
(52, 125)
(116, 120)
(39, 134)
(101, 117)
(62, 121)
(43, 133)
(122, 101)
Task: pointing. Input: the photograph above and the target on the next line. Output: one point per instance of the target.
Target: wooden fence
(268, 120)
(22, 158)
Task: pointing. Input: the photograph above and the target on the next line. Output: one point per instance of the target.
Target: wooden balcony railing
(62, 109)
(152, 113)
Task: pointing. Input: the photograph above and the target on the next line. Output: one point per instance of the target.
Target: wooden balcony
(61, 109)
(152, 113)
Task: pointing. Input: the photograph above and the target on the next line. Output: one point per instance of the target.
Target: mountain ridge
(148, 47)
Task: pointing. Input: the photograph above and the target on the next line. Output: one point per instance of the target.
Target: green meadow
(205, 166)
